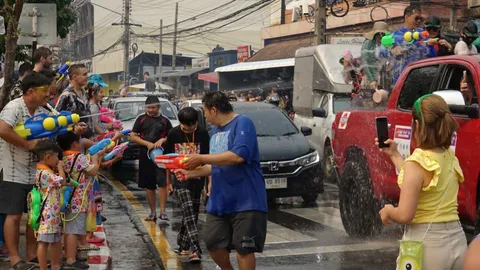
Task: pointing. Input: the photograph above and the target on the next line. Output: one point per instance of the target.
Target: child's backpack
(35, 205)
(67, 192)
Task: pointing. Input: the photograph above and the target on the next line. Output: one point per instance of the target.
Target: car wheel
(328, 164)
(358, 205)
(310, 197)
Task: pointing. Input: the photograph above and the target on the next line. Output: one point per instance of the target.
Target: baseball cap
(97, 79)
(470, 29)
(433, 21)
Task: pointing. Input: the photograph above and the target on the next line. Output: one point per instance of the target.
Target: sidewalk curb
(100, 259)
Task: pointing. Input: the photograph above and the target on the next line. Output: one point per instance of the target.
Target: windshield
(341, 103)
(125, 111)
(269, 122)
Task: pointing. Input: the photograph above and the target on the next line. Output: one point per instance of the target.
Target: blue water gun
(67, 195)
(62, 71)
(43, 126)
(117, 150)
(99, 146)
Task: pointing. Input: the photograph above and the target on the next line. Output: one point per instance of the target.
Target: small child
(49, 185)
(80, 168)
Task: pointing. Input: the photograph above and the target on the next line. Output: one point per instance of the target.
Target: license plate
(272, 183)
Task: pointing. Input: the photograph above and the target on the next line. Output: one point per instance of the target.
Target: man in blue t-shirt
(237, 207)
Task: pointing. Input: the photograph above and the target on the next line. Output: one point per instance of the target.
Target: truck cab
(319, 92)
(368, 178)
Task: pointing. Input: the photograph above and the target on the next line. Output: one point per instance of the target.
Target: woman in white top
(469, 34)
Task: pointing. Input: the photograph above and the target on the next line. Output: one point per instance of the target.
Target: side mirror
(456, 103)
(306, 131)
(319, 112)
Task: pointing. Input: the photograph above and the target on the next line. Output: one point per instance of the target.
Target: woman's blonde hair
(436, 124)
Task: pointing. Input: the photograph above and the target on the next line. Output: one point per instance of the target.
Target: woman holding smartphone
(429, 180)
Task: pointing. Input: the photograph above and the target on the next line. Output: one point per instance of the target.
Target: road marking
(169, 258)
(328, 249)
(277, 234)
(328, 216)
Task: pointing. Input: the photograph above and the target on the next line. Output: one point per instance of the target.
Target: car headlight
(305, 160)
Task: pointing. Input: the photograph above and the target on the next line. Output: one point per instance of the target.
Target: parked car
(195, 103)
(127, 109)
(367, 176)
(291, 166)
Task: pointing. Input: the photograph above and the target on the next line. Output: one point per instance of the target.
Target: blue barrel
(155, 152)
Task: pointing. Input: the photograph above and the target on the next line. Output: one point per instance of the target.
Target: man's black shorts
(149, 175)
(243, 231)
(13, 198)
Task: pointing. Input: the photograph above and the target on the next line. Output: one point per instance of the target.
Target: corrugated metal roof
(281, 49)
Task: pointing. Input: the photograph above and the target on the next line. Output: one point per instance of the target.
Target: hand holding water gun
(173, 162)
(117, 150)
(111, 135)
(62, 71)
(42, 126)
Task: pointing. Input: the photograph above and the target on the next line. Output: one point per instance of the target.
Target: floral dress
(50, 186)
(80, 165)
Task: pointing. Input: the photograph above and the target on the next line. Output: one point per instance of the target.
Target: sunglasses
(432, 28)
(43, 89)
(418, 18)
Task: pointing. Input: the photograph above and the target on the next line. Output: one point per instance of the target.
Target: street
(311, 237)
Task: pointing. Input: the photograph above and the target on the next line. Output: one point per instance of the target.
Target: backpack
(35, 204)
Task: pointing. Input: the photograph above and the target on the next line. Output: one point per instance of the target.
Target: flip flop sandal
(151, 218)
(88, 248)
(22, 265)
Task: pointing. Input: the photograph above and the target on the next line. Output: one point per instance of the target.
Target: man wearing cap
(403, 52)
(442, 47)
(150, 131)
(371, 64)
(469, 34)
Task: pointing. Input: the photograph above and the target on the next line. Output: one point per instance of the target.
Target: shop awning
(246, 66)
(281, 49)
(209, 77)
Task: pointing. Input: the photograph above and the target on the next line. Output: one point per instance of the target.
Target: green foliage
(66, 17)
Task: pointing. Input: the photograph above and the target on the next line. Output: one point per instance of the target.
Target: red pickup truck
(368, 179)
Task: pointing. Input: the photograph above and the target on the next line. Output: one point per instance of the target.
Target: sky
(149, 12)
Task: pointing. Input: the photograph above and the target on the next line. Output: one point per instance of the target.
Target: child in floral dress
(49, 185)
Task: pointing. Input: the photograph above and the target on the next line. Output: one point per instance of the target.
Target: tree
(8, 45)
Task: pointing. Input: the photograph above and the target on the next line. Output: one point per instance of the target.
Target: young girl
(49, 185)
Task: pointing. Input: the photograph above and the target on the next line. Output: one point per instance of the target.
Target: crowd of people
(50, 165)
(381, 63)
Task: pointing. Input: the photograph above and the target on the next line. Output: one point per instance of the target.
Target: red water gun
(172, 162)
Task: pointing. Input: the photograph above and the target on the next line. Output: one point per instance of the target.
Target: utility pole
(126, 39)
(453, 16)
(174, 55)
(320, 22)
(160, 53)
(282, 10)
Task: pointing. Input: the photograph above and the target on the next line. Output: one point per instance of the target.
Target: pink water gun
(108, 116)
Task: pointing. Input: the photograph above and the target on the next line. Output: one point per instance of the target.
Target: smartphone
(382, 131)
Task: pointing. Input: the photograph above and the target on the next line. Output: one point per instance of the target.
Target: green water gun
(388, 41)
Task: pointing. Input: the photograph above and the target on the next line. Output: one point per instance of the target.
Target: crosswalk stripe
(328, 249)
(277, 234)
(328, 216)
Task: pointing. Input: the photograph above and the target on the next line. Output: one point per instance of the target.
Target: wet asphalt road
(310, 237)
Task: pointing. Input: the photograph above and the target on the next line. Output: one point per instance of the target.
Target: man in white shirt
(469, 34)
(18, 164)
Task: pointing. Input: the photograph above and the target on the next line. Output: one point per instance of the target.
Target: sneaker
(4, 255)
(195, 257)
(181, 252)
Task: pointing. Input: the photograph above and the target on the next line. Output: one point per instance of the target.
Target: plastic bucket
(154, 152)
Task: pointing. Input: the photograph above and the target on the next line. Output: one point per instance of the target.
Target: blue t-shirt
(241, 187)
